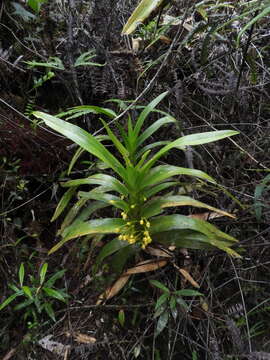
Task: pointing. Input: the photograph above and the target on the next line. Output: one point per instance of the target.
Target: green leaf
(140, 14)
(75, 157)
(189, 140)
(157, 188)
(162, 322)
(121, 256)
(119, 146)
(160, 285)
(155, 206)
(77, 111)
(53, 62)
(108, 198)
(54, 294)
(83, 139)
(263, 13)
(149, 108)
(27, 291)
(154, 127)
(181, 222)
(49, 310)
(58, 275)
(163, 172)
(21, 274)
(121, 317)
(161, 300)
(43, 272)
(23, 304)
(110, 248)
(188, 292)
(101, 226)
(83, 59)
(34, 5)
(63, 203)
(9, 300)
(100, 179)
(71, 215)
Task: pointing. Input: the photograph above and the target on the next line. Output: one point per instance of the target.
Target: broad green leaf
(140, 14)
(182, 222)
(101, 226)
(163, 172)
(43, 272)
(9, 300)
(34, 5)
(110, 248)
(54, 294)
(159, 285)
(88, 211)
(99, 179)
(162, 322)
(27, 291)
(108, 198)
(188, 292)
(49, 310)
(155, 206)
(21, 274)
(161, 300)
(83, 139)
(189, 140)
(49, 283)
(154, 127)
(63, 203)
(146, 111)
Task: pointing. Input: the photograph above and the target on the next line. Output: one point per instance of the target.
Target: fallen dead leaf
(144, 266)
(157, 252)
(189, 278)
(209, 215)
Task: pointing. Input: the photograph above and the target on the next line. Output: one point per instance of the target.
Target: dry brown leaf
(84, 339)
(189, 278)
(10, 354)
(141, 267)
(208, 216)
(157, 252)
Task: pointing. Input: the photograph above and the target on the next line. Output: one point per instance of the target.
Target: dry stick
(70, 48)
(243, 62)
(244, 305)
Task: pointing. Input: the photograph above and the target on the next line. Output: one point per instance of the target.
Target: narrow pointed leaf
(162, 322)
(43, 272)
(154, 127)
(110, 248)
(83, 139)
(9, 300)
(21, 274)
(54, 294)
(154, 206)
(161, 300)
(149, 108)
(140, 14)
(159, 285)
(63, 203)
(163, 172)
(189, 140)
(27, 291)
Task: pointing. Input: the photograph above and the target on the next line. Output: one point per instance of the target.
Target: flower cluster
(135, 231)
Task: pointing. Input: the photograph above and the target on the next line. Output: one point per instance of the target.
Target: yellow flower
(132, 206)
(111, 201)
(141, 222)
(148, 224)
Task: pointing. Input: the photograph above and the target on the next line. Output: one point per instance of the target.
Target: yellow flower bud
(141, 222)
(132, 206)
(148, 224)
